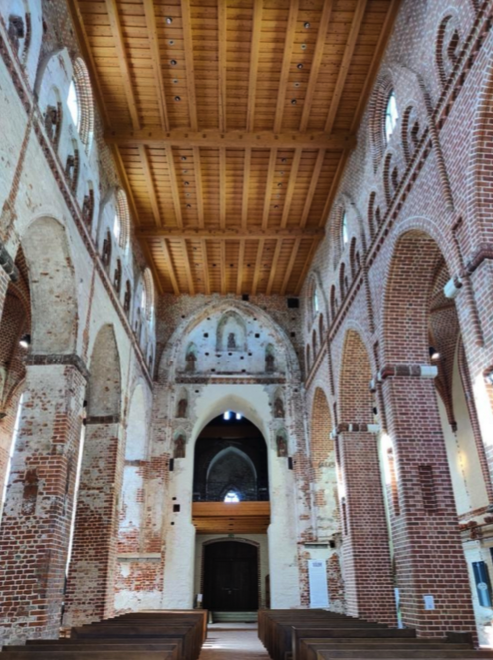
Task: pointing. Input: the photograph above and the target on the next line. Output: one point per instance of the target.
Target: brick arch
(408, 289)
(104, 385)
(52, 284)
(123, 212)
(355, 399)
(378, 104)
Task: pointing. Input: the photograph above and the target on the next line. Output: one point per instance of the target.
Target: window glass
(315, 301)
(231, 496)
(345, 233)
(73, 104)
(391, 116)
(116, 227)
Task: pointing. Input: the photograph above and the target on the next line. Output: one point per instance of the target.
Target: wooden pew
(395, 654)
(345, 634)
(309, 647)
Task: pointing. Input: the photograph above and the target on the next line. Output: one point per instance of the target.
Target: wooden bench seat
(412, 654)
(308, 647)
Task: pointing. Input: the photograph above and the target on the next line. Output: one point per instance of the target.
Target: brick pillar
(36, 520)
(427, 545)
(90, 585)
(365, 549)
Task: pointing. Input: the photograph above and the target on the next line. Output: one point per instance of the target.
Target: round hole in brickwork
(243, 371)
(249, 354)
(172, 523)
(242, 357)
(207, 354)
(213, 370)
(196, 391)
(173, 498)
(230, 353)
(257, 335)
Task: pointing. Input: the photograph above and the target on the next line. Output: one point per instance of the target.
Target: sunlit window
(227, 415)
(344, 230)
(11, 453)
(315, 301)
(73, 104)
(116, 227)
(231, 496)
(391, 116)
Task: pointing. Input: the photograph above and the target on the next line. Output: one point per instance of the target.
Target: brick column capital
(68, 359)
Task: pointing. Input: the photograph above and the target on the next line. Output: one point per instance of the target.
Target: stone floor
(226, 644)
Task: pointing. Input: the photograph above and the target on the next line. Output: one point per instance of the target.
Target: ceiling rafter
(383, 39)
(188, 269)
(231, 139)
(293, 176)
(290, 266)
(205, 266)
(313, 186)
(150, 185)
(222, 62)
(222, 188)
(316, 62)
(254, 57)
(273, 270)
(246, 188)
(286, 64)
(223, 266)
(152, 33)
(189, 61)
(258, 264)
(198, 186)
(116, 31)
(268, 187)
(174, 186)
(345, 64)
(171, 268)
(241, 261)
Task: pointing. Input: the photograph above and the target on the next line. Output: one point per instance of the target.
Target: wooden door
(231, 577)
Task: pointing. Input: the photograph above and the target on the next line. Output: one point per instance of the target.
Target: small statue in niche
(179, 449)
(231, 341)
(282, 446)
(191, 360)
(269, 363)
(182, 408)
(278, 407)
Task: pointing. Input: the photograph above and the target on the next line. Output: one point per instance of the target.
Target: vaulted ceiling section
(231, 121)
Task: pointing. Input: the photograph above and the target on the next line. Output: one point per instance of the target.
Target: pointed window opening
(73, 103)
(231, 496)
(391, 116)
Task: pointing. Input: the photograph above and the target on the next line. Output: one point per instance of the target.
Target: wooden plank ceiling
(231, 121)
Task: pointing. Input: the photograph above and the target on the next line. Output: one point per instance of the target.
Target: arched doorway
(231, 576)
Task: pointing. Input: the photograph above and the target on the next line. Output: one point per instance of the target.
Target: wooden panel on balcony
(231, 517)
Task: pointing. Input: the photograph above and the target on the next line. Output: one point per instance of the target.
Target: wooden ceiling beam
(290, 266)
(268, 188)
(286, 64)
(311, 190)
(345, 64)
(150, 185)
(189, 62)
(316, 62)
(273, 270)
(188, 269)
(222, 264)
(198, 186)
(241, 261)
(152, 33)
(231, 233)
(246, 188)
(254, 56)
(205, 265)
(174, 186)
(370, 78)
(171, 268)
(293, 176)
(222, 188)
(222, 63)
(258, 263)
(117, 33)
(231, 139)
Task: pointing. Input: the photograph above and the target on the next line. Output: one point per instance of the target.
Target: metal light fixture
(169, 20)
(177, 98)
(25, 341)
(306, 25)
(173, 62)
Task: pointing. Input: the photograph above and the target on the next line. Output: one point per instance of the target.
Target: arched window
(81, 102)
(73, 103)
(117, 228)
(148, 295)
(123, 216)
(391, 115)
(344, 230)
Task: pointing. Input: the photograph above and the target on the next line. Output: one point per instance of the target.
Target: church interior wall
(108, 367)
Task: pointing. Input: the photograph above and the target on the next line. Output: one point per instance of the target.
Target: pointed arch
(104, 386)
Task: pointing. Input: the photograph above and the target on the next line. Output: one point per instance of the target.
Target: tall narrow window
(391, 116)
(73, 103)
(316, 308)
(344, 230)
(11, 453)
(116, 228)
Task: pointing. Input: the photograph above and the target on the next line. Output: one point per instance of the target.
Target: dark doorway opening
(231, 579)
